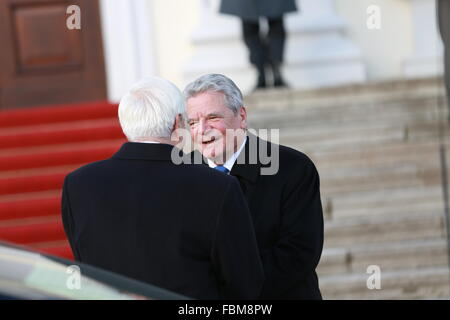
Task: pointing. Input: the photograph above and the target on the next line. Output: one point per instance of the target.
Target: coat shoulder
(293, 162)
(87, 169)
(290, 154)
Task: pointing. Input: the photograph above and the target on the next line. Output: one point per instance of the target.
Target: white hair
(149, 109)
(217, 83)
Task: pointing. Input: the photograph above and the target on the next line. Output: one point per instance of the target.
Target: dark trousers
(443, 12)
(265, 49)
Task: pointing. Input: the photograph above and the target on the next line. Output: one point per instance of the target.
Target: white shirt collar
(230, 162)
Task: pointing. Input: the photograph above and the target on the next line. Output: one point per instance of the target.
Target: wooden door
(42, 61)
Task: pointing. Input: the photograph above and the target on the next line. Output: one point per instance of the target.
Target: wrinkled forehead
(207, 103)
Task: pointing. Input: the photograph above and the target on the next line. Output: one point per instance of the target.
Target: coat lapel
(247, 170)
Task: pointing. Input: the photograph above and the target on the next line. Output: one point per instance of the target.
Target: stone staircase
(377, 150)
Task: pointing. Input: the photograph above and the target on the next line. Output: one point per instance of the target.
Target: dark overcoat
(287, 215)
(185, 228)
(253, 9)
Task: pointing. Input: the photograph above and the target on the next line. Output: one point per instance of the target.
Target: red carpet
(38, 147)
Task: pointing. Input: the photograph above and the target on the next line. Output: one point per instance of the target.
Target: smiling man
(285, 206)
(212, 123)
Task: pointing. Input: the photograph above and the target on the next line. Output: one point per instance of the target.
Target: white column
(426, 59)
(317, 51)
(128, 43)
(218, 47)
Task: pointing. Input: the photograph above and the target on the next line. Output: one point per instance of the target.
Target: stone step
(393, 256)
(411, 153)
(325, 138)
(394, 112)
(375, 171)
(388, 256)
(423, 178)
(381, 92)
(334, 261)
(354, 137)
(376, 99)
(345, 180)
(385, 201)
(386, 228)
(427, 131)
(426, 283)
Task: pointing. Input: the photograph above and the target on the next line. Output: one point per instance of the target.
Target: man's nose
(203, 126)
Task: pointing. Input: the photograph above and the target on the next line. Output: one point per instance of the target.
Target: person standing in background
(443, 13)
(266, 51)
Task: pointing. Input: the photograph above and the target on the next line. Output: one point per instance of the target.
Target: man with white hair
(284, 203)
(185, 228)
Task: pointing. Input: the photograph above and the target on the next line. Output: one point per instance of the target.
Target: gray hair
(217, 83)
(149, 109)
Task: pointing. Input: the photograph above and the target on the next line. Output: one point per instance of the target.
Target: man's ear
(243, 115)
(177, 126)
(179, 123)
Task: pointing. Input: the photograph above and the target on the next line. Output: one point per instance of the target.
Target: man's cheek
(197, 138)
(208, 151)
(219, 147)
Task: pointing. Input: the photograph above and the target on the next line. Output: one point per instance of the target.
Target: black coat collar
(247, 165)
(146, 151)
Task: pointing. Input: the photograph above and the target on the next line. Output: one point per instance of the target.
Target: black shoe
(278, 81)
(261, 84)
